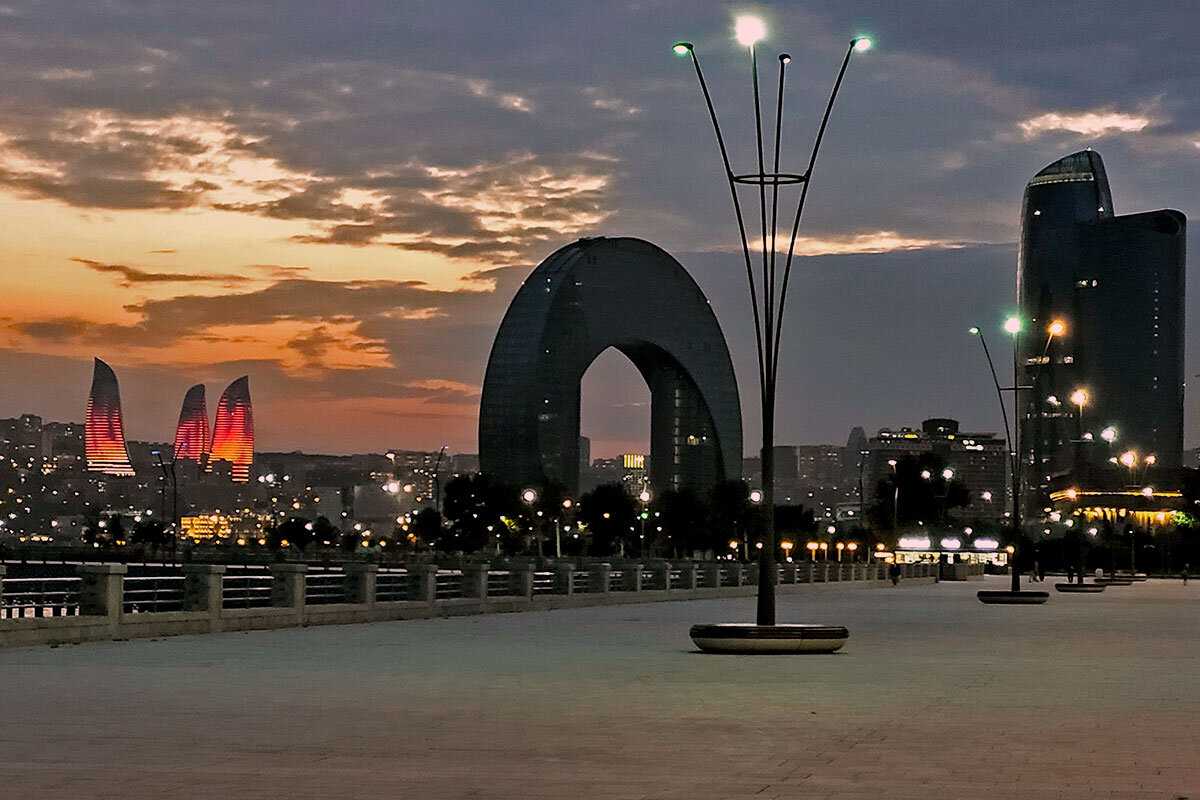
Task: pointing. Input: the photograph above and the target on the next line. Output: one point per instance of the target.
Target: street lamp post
(768, 292)
(1013, 327)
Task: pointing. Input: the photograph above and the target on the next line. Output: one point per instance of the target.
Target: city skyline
(346, 219)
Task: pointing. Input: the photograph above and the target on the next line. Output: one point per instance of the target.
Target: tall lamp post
(169, 476)
(768, 289)
(1013, 326)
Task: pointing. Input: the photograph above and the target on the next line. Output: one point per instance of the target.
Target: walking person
(894, 574)
(1070, 574)
(1184, 574)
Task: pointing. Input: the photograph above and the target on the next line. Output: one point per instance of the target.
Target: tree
(611, 519)
(916, 490)
(150, 532)
(795, 522)
(684, 518)
(426, 527)
(474, 505)
(296, 532)
(324, 532)
(731, 517)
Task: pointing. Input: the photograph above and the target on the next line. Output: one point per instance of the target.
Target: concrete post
(632, 578)
(789, 572)
(564, 579)
(202, 590)
(735, 572)
(751, 578)
(804, 572)
(360, 583)
(475, 580)
(687, 576)
(423, 588)
(101, 589)
(600, 577)
(521, 576)
(288, 586)
(712, 575)
(661, 572)
(3, 569)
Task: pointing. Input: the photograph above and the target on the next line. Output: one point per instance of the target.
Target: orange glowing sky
(340, 201)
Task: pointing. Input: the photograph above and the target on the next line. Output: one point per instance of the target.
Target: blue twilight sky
(339, 199)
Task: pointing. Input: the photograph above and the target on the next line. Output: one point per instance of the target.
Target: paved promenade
(935, 696)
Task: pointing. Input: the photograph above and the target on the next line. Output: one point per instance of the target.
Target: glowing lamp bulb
(1079, 397)
(1129, 458)
(974, 330)
(862, 44)
(1013, 325)
(749, 30)
(1108, 434)
(682, 48)
(1057, 328)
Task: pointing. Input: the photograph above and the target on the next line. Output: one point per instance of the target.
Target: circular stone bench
(1114, 581)
(1079, 588)
(1022, 598)
(739, 637)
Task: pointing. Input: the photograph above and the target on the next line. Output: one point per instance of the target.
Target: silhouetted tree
(611, 519)
(474, 504)
(924, 494)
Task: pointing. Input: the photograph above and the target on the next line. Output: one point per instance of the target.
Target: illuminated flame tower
(103, 431)
(191, 435)
(233, 431)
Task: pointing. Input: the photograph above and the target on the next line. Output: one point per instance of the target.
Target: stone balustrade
(100, 613)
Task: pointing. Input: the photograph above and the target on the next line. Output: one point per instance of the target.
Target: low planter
(1079, 588)
(1019, 598)
(1114, 581)
(738, 637)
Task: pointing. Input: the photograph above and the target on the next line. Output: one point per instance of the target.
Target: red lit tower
(192, 436)
(103, 430)
(233, 431)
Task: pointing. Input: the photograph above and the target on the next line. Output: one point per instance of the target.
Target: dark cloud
(133, 275)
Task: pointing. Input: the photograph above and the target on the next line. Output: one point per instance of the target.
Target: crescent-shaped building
(585, 298)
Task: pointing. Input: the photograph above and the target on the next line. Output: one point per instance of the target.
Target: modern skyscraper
(191, 435)
(1113, 384)
(104, 431)
(233, 430)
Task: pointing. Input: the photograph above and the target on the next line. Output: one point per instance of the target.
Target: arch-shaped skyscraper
(588, 296)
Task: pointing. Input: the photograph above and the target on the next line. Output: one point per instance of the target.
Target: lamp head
(973, 330)
(682, 48)
(861, 43)
(785, 58)
(1108, 434)
(1079, 397)
(1056, 328)
(1013, 325)
(749, 30)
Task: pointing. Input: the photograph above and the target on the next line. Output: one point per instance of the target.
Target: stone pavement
(935, 696)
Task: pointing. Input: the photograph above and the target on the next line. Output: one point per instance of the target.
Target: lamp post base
(1020, 598)
(737, 637)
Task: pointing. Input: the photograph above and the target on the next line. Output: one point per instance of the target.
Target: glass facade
(586, 297)
(1113, 384)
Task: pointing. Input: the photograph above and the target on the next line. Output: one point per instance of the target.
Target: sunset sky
(340, 199)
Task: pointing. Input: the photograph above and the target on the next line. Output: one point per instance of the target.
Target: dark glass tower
(1118, 284)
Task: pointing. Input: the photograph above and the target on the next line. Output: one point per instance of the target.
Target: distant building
(191, 434)
(978, 460)
(1113, 383)
(233, 431)
(104, 430)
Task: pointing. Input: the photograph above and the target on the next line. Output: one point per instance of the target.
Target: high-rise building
(977, 460)
(1113, 383)
(104, 431)
(191, 435)
(233, 430)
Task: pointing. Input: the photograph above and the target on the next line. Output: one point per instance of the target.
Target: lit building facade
(104, 430)
(978, 461)
(191, 435)
(233, 430)
(1113, 384)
